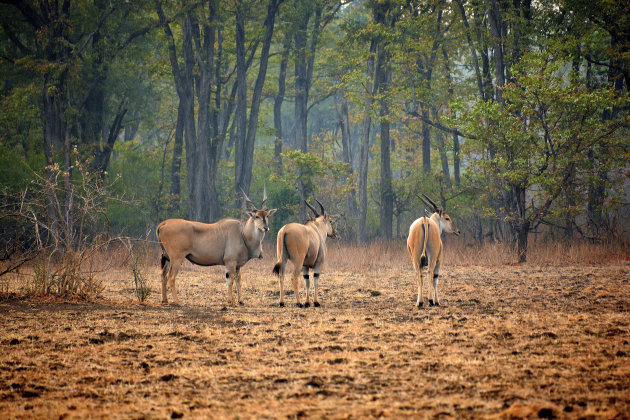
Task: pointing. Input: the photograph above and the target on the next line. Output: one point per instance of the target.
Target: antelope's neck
(436, 218)
(320, 226)
(252, 235)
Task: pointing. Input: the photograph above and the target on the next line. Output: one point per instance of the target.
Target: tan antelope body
(426, 248)
(305, 246)
(228, 242)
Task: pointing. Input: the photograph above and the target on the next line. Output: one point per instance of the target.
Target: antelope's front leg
(229, 277)
(238, 286)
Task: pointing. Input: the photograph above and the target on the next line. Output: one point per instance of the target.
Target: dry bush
(139, 268)
(390, 255)
(65, 210)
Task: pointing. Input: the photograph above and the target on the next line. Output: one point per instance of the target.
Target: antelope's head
(446, 223)
(260, 217)
(325, 218)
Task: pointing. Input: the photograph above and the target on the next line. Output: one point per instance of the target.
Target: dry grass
(546, 338)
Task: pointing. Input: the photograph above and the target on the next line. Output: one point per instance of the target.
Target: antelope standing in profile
(426, 249)
(305, 246)
(228, 242)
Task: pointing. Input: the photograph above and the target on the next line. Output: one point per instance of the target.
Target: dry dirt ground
(510, 341)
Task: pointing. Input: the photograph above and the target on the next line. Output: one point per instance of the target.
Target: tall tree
(244, 157)
(277, 103)
(384, 15)
(541, 136)
(62, 47)
(366, 125)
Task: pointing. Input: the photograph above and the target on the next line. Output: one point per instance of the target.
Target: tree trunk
(478, 18)
(245, 177)
(204, 43)
(496, 25)
(426, 70)
(522, 232)
(426, 143)
(184, 84)
(346, 141)
(301, 91)
(241, 100)
(365, 145)
(382, 78)
(53, 135)
(277, 105)
(441, 145)
(103, 154)
(176, 164)
(473, 51)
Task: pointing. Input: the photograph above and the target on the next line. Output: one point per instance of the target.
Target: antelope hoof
(282, 304)
(316, 304)
(306, 305)
(260, 257)
(299, 305)
(437, 303)
(420, 304)
(431, 303)
(240, 302)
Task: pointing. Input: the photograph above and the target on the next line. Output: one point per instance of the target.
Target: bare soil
(509, 341)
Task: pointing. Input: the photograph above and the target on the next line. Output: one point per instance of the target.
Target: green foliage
(20, 135)
(137, 175)
(543, 140)
(555, 139)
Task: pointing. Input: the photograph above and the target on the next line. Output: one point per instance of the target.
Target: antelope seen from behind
(228, 242)
(305, 246)
(426, 248)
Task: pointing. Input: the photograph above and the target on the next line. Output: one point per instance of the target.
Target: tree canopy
(513, 114)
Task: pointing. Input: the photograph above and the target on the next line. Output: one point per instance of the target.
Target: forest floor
(509, 341)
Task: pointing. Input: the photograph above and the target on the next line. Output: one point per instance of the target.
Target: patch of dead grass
(510, 341)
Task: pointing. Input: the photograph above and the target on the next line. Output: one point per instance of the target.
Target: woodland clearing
(536, 340)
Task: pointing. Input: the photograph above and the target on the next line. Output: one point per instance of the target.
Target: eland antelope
(426, 248)
(228, 242)
(305, 246)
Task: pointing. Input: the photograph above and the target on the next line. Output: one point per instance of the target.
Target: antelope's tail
(423, 256)
(279, 253)
(165, 259)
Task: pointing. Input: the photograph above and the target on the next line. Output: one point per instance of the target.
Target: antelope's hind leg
(165, 270)
(297, 268)
(170, 281)
(436, 275)
(420, 299)
(281, 280)
(307, 285)
(315, 286)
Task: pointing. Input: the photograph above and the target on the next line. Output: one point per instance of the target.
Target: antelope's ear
(270, 212)
(251, 214)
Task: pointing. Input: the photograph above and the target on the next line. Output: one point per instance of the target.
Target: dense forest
(512, 114)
